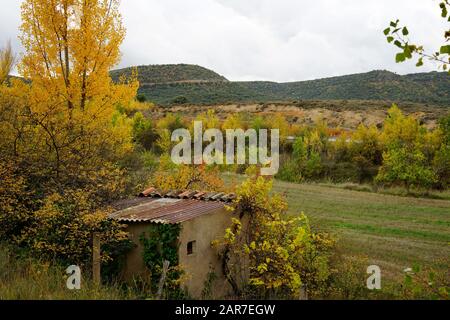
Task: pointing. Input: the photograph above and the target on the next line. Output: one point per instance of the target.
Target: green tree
(441, 161)
(141, 98)
(404, 159)
(366, 150)
(144, 131)
(400, 165)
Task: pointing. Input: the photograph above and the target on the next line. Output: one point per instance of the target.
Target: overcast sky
(278, 40)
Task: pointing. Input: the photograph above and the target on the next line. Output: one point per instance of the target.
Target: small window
(191, 247)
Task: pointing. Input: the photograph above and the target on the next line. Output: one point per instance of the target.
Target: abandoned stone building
(203, 218)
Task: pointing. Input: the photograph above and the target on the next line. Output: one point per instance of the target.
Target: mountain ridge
(166, 84)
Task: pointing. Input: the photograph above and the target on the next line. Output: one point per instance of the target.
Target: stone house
(203, 218)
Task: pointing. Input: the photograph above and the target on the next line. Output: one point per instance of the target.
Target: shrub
(141, 98)
(62, 230)
(180, 100)
(15, 202)
(277, 256)
(144, 133)
(160, 244)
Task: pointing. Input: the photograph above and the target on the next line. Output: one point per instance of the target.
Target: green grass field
(394, 232)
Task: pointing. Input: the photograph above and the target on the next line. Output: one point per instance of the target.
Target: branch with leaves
(399, 36)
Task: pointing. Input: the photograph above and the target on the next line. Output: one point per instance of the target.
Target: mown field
(394, 232)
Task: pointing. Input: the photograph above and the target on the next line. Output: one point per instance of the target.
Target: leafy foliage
(425, 283)
(62, 230)
(404, 160)
(62, 133)
(276, 256)
(398, 35)
(161, 244)
(6, 62)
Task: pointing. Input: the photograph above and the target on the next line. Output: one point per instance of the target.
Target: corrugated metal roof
(172, 206)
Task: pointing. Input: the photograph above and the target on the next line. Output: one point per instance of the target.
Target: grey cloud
(282, 40)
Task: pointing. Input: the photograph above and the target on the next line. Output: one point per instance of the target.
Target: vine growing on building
(160, 244)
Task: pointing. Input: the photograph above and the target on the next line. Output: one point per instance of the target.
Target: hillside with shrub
(170, 84)
(169, 73)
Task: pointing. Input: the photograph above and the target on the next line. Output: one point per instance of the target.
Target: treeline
(401, 153)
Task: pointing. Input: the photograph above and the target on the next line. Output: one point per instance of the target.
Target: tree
(404, 158)
(6, 62)
(400, 165)
(398, 35)
(444, 125)
(180, 100)
(441, 161)
(70, 128)
(62, 135)
(268, 255)
(234, 121)
(401, 130)
(144, 131)
(365, 149)
(307, 154)
(70, 47)
(441, 165)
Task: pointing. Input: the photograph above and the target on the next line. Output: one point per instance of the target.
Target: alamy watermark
(74, 277)
(374, 280)
(234, 151)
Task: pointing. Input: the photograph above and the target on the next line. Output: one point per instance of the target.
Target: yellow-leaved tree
(268, 254)
(62, 130)
(70, 47)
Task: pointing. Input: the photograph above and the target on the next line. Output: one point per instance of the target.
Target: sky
(274, 40)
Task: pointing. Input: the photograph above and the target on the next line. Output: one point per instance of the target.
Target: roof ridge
(153, 192)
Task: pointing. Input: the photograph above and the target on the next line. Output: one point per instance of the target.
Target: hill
(163, 84)
(170, 73)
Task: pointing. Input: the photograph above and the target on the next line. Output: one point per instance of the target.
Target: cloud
(283, 40)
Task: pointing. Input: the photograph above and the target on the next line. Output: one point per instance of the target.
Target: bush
(15, 202)
(160, 244)
(180, 100)
(144, 132)
(141, 98)
(279, 257)
(62, 230)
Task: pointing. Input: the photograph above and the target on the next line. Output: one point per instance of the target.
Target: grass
(396, 191)
(25, 278)
(393, 231)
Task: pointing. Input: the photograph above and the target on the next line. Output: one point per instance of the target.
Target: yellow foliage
(63, 228)
(62, 129)
(278, 121)
(6, 62)
(208, 119)
(283, 254)
(233, 121)
(399, 129)
(188, 177)
(64, 123)
(70, 47)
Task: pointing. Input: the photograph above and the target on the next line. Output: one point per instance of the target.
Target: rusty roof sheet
(169, 206)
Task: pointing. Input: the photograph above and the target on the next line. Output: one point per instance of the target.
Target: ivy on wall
(161, 243)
